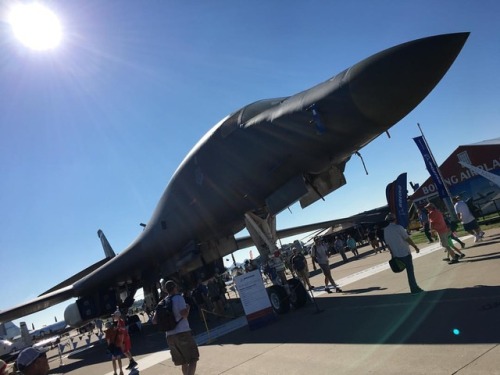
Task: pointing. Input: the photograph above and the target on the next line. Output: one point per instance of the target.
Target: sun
(35, 26)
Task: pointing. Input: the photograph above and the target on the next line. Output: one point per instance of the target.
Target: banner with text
(397, 199)
(431, 166)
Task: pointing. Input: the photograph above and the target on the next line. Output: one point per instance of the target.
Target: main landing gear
(282, 296)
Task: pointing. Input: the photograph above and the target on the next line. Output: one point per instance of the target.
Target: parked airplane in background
(250, 166)
(50, 330)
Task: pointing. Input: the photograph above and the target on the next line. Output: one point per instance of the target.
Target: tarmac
(375, 326)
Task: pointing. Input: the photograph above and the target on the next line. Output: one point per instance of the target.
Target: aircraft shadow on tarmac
(450, 316)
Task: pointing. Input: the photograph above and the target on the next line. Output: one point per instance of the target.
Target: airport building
(474, 189)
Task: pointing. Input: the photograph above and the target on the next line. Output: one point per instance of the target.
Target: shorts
(443, 239)
(115, 352)
(325, 268)
(303, 274)
(183, 348)
(470, 226)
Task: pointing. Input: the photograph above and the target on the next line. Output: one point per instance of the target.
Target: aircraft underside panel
(215, 249)
(285, 196)
(323, 184)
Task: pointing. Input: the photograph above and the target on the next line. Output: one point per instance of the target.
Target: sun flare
(35, 26)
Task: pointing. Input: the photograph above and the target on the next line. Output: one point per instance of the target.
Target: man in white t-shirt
(467, 218)
(180, 340)
(398, 241)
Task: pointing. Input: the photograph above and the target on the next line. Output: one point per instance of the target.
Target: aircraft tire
(279, 299)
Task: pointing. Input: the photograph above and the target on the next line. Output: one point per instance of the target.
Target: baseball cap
(170, 285)
(27, 357)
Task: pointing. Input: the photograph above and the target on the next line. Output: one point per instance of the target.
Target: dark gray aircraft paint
(261, 159)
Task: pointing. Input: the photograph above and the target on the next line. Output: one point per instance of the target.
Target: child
(127, 344)
(114, 339)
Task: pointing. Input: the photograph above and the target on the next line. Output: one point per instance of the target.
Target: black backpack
(165, 319)
(298, 262)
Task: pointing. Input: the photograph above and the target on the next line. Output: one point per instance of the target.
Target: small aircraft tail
(108, 250)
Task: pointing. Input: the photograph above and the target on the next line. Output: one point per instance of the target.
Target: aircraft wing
(37, 304)
(69, 281)
(374, 216)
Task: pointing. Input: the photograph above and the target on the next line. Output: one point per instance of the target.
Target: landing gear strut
(281, 294)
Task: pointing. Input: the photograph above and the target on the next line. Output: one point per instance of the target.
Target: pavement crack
(475, 359)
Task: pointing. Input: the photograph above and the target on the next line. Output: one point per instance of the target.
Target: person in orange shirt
(114, 339)
(438, 224)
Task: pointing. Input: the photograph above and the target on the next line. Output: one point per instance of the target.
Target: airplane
(49, 330)
(252, 165)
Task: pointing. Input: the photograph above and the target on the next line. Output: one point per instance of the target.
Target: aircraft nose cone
(388, 85)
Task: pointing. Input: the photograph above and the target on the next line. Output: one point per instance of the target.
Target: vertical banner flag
(397, 199)
(431, 166)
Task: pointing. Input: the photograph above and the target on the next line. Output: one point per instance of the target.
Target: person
(279, 266)
(127, 343)
(249, 267)
(200, 297)
(320, 256)
(438, 224)
(372, 237)
(380, 235)
(31, 361)
(338, 245)
(114, 339)
(214, 294)
(351, 244)
(299, 265)
(398, 241)
(180, 340)
(453, 235)
(467, 218)
(424, 220)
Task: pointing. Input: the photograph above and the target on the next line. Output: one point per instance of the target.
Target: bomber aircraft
(249, 167)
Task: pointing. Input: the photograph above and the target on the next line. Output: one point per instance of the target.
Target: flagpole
(447, 200)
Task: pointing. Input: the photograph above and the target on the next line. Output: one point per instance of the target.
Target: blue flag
(397, 199)
(431, 166)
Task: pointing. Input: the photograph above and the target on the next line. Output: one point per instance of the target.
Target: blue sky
(91, 132)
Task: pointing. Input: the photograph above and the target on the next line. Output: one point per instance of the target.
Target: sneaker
(462, 256)
(481, 234)
(328, 290)
(131, 365)
(338, 290)
(463, 245)
(453, 261)
(476, 239)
